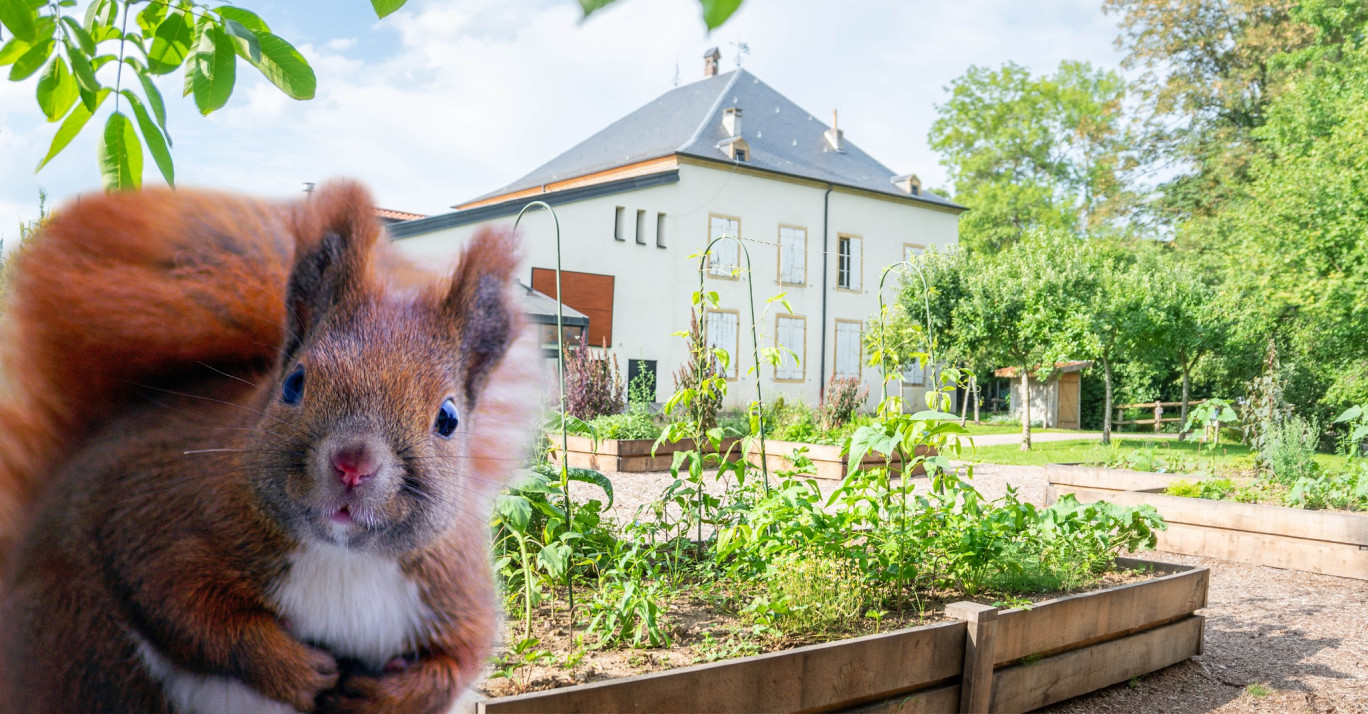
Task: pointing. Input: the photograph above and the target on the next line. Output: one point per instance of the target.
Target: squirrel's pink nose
(353, 464)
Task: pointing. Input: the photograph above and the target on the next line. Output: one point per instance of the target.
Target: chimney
(731, 121)
(833, 135)
(710, 60)
(908, 183)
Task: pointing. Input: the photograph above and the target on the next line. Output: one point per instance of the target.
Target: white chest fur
(352, 603)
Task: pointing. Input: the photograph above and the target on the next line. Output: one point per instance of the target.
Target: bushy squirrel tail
(122, 289)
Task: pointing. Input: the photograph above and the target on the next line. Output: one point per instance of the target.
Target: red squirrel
(246, 456)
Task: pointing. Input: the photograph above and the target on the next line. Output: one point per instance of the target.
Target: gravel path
(1275, 641)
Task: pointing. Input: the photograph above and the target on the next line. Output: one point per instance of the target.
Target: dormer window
(735, 148)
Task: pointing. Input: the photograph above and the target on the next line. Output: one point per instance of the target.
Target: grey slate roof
(688, 120)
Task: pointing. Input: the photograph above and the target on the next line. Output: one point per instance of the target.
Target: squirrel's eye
(292, 390)
(447, 421)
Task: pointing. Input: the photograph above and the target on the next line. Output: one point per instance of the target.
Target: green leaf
(32, 60)
(716, 12)
(246, 18)
(120, 154)
(282, 64)
(99, 12)
(244, 41)
(82, 37)
(515, 510)
(151, 17)
(1351, 413)
(13, 50)
(75, 121)
(591, 6)
(80, 67)
(213, 70)
(56, 89)
(170, 44)
(21, 18)
(154, 98)
(592, 477)
(156, 143)
(385, 7)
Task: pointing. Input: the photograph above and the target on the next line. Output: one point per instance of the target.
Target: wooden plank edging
(1276, 536)
(912, 670)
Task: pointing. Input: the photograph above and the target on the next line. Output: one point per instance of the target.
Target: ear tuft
(336, 231)
(480, 302)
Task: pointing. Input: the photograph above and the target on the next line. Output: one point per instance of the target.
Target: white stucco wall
(653, 285)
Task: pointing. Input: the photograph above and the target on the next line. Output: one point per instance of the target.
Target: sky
(448, 99)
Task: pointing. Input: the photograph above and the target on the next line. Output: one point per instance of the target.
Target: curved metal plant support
(883, 321)
(755, 339)
(560, 376)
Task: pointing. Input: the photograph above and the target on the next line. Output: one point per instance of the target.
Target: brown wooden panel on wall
(1069, 401)
(589, 293)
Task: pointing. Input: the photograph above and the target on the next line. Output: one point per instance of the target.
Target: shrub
(843, 397)
(1287, 449)
(593, 385)
(635, 424)
(817, 590)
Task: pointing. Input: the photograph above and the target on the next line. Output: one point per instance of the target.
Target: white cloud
(444, 101)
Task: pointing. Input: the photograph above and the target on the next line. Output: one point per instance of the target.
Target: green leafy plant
(119, 47)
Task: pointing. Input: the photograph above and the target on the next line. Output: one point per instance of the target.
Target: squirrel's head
(392, 419)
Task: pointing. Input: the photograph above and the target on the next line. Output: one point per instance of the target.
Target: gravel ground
(1275, 641)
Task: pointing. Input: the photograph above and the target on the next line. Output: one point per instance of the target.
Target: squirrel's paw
(399, 689)
(310, 673)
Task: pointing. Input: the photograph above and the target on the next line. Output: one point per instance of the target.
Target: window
(720, 330)
(660, 230)
(641, 227)
(617, 223)
(725, 258)
(914, 374)
(912, 250)
(741, 154)
(792, 255)
(848, 334)
(641, 380)
(849, 266)
(790, 336)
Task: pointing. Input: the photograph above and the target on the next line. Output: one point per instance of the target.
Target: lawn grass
(1188, 456)
(985, 428)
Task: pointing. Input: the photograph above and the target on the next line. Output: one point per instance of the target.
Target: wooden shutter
(792, 255)
(856, 263)
(589, 293)
(790, 336)
(847, 349)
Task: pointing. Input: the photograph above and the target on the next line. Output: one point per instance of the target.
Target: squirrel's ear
(336, 231)
(480, 303)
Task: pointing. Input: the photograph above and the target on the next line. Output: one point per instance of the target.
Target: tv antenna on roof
(742, 48)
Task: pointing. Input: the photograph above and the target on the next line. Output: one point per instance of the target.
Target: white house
(725, 156)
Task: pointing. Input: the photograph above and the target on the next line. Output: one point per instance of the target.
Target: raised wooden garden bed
(827, 461)
(1314, 541)
(631, 455)
(987, 660)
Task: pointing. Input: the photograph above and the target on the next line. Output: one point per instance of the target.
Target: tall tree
(1207, 76)
(1110, 328)
(1024, 305)
(1027, 152)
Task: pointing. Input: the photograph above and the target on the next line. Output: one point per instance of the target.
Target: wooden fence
(1158, 407)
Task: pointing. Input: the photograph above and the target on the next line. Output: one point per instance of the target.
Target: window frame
(734, 370)
(836, 348)
(708, 269)
(619, 213)
(641, 226)
(858, 264)
(660, 229)
(921, 249)
(801, 351)
(779, 255)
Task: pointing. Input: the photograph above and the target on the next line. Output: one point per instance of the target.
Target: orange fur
(141, 433)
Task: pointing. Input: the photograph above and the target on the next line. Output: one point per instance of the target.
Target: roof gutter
(821, 375)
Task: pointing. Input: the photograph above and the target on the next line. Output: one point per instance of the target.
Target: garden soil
(1276, 640)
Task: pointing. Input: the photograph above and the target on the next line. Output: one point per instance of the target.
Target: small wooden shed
(1058, 400)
